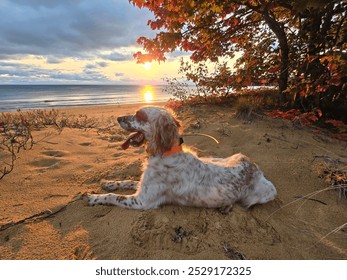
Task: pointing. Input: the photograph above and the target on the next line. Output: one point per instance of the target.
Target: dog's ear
(165, 133)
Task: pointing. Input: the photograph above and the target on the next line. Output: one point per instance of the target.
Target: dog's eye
(141, 116)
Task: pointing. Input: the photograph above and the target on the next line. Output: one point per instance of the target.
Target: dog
(174, 176)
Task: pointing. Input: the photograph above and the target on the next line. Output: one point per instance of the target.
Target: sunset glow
(147, 65)
(78, 59)
(107, 60)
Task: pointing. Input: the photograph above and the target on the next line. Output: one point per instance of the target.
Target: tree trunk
(278, 29)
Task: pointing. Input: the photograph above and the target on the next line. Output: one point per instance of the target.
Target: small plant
(336, 178)
(180, 90)
(16, 131)
(246, 107)
(15, 135)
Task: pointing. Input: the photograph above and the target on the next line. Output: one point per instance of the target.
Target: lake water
(24, 97)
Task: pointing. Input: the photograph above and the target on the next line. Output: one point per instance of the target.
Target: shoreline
(102, 107)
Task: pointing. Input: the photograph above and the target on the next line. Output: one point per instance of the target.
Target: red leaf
(319, 113)
(335, 123)
(341, 136)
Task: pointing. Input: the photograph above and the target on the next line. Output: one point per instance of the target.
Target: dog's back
(187, 180)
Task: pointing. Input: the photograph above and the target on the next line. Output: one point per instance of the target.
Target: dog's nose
(120, 119)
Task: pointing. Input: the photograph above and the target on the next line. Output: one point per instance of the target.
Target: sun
(147, 65)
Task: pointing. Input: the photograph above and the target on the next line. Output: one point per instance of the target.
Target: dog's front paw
(109, 185)
(90, 199)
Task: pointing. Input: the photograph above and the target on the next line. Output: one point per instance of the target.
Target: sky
(76, 42)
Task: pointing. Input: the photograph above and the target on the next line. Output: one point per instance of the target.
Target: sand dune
(41, 218)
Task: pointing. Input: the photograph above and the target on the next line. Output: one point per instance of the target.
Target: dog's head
(155, 126)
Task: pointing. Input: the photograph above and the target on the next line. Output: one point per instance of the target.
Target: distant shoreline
(96, 106)
(93, 109)
(35, 97)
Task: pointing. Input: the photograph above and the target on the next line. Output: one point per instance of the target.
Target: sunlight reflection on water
(148, 94)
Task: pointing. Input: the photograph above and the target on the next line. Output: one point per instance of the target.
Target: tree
(320, 58)
(212, 29)
(277, 37)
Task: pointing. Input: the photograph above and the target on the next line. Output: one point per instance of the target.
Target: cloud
(117, 56)
(88, 76)
(36, 4)
(67, 28)
(90, 66)
(101, 64)
(53, 60)
(26, 73)
(72, 41)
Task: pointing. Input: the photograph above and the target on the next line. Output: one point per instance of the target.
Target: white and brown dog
(172, 176)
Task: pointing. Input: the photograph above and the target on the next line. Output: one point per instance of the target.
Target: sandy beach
(40, 217)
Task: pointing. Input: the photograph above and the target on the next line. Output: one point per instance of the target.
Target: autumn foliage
(299, 46)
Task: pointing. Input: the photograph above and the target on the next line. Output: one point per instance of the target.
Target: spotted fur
(182, 178)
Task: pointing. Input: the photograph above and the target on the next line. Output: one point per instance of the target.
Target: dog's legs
(115, 185)
(125, 201)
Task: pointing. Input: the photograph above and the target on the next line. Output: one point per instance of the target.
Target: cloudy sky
(75, 42)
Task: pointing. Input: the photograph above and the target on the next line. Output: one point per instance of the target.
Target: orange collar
(173, 151)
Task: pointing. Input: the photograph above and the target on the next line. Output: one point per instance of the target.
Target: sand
(40, 217)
